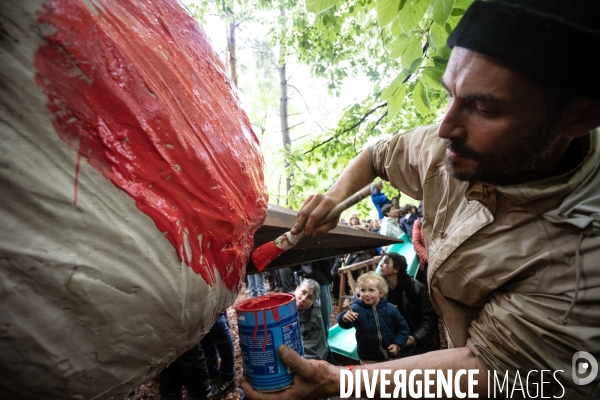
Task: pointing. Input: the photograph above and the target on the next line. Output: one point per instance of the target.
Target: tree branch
(371, 111)
(293, 126)
(303, 136)
(379, 120)
(306, 105)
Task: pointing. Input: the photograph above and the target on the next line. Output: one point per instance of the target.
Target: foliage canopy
(400, 45)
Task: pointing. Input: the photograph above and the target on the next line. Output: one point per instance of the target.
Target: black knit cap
(554, 42)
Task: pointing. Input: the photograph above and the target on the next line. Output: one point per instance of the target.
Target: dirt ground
(149, 390)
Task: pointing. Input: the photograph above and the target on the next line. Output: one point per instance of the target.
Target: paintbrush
(263, 255)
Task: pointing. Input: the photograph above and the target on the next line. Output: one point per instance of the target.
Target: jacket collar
(574, 196)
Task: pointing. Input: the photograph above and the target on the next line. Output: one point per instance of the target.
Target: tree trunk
(285, 129)
(231, 59)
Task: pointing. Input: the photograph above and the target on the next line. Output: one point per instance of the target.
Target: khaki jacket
(503, 261)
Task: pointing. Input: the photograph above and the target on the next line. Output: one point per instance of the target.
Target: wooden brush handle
(349, 202)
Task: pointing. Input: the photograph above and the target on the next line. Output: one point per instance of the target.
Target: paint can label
(268, 322)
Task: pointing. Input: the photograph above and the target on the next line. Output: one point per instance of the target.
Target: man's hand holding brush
(320, 212)
(356, 175)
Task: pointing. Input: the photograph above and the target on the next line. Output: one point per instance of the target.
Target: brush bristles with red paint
(263, 255)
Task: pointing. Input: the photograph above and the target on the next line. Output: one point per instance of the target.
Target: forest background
(321, 79)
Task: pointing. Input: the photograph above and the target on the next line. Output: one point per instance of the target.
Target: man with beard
(510, 186)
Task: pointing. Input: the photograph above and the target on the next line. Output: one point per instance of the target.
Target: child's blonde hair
(373, 276)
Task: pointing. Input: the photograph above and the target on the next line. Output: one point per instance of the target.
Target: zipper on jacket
(379, 333)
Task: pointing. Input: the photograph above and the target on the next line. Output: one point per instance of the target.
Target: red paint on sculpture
(137, 89)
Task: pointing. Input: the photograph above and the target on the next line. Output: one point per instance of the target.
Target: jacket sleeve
(314, 338)
(418, 242)
(379, 198)
(514, 332)
(343, 324)
(405, 158)
(429, 317)
(401, 329)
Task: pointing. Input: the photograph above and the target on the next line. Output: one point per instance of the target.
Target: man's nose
(452, 125)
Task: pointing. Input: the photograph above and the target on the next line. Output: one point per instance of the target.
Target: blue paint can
(265, 323)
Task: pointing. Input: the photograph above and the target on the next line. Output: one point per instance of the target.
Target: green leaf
(411, 14)
(390, 90)
(437, 36)
(440, 60)
(454, 19)
(395, 103)
(420, 99)
(463, 3)
(432, 77)
(457, 12)
(386, 11)
(396, 28)
(413, 52)
(441, 10)
(319, 25)
(399, 46)
(444, 52)
(414, 67)
(318, 6)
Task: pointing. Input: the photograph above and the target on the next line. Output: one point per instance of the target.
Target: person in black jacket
(411, 299)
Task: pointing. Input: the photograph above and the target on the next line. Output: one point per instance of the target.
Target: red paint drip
(275, 312)
(76, 181)
(255, 331)
(263, 255)
(266, 324)
(137, 89)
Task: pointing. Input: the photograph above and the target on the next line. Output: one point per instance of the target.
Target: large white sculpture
(130, 190)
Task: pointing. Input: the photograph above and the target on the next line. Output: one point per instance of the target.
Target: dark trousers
(336, 280)
(188, 370)
(288, 283)
(277, 279)
(217, 343)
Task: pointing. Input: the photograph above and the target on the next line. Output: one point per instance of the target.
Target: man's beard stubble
(501, 164)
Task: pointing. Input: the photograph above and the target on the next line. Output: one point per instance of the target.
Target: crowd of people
(394, 221)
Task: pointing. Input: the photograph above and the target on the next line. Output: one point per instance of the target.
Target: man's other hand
(312, 380)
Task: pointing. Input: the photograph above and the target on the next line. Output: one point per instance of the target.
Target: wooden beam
(341, 240)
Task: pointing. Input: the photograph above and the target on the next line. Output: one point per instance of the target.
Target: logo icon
(583, 363)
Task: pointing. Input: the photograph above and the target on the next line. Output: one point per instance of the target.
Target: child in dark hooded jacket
(381, 331)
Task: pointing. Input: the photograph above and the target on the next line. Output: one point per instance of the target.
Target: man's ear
(580, 117)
